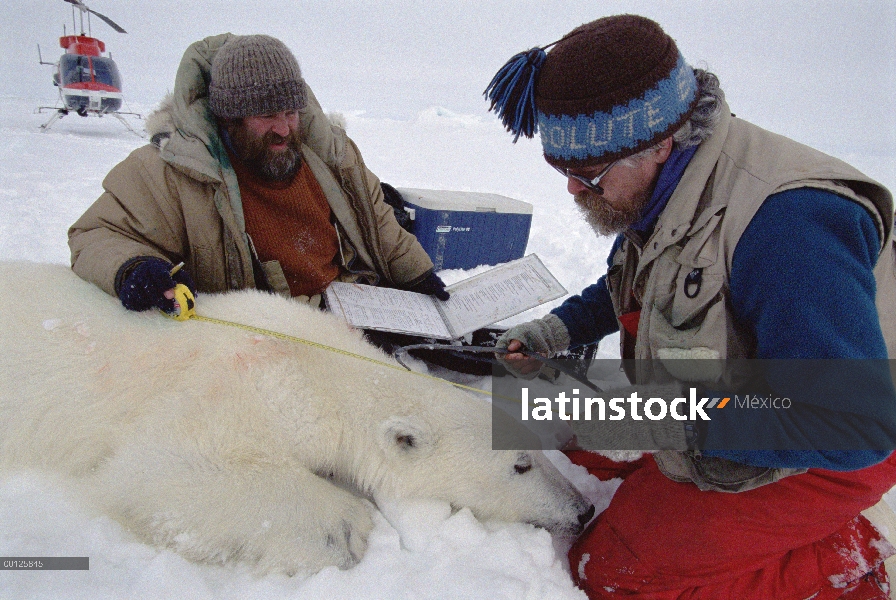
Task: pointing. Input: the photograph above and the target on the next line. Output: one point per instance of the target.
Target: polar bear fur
(228, 445)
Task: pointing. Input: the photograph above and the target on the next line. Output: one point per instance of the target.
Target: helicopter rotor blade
(77, 3)
(108, 21)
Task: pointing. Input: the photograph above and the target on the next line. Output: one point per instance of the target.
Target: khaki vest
(679, 277)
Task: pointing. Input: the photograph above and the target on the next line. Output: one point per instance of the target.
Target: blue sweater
(802, 282)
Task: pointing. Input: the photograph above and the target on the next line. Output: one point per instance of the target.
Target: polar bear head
(449, 457)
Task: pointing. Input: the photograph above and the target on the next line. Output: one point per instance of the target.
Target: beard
(263, 161)
(605, 219)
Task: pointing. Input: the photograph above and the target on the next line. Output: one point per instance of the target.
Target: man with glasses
(590, 183)
(731, 243)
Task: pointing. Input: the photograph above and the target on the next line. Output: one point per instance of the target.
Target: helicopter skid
(61, 112)
(124, 122)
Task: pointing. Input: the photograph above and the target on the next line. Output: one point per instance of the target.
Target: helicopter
(89, 83)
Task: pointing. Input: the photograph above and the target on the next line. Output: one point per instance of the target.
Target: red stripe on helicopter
(91, 85)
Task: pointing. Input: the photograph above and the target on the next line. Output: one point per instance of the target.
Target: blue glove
(145, 286)
(431, 286)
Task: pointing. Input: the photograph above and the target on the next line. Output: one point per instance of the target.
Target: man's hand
(517, 362)
(151, 285)
(431, 285)
(546, 336)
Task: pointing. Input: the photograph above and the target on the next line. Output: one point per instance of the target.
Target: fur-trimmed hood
(160, 122)
(188, 199)
(186, 132)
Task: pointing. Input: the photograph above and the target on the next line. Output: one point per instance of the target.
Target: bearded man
(250, 186)
(732, 243)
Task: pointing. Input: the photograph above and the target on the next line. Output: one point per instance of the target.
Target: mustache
(271, 138)
(603, 218)
(593, 202)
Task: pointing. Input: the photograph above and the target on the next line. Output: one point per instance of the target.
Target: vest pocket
(688, 316)
(693, 299)
(692, 317)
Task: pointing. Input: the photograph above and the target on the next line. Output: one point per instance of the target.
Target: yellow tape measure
(185, 309)
(184, 302)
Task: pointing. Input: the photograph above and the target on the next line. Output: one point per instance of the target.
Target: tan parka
(179, 200)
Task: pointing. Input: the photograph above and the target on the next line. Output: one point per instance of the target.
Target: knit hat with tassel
(608, 89)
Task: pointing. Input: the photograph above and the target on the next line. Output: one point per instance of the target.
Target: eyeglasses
(591, 184)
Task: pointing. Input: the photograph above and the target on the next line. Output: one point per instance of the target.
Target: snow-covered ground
(48, 179)
(408, 78)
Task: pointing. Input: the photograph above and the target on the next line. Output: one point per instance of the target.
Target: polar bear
(228, 445)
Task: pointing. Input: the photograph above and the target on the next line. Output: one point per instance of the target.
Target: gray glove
(546, 336)
(718, 474)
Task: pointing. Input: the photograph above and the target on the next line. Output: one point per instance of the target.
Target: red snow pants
(801, 537)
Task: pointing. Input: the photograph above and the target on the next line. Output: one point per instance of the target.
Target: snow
(423, 551)
(408, 79)
(417, 550)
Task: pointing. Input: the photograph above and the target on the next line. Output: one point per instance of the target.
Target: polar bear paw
(345, 531)
(329, 532)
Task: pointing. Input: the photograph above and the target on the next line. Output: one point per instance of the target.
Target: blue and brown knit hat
(607, 89)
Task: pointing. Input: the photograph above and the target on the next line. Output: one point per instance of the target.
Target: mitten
(431, 285)
(145, 286)
(546, 336)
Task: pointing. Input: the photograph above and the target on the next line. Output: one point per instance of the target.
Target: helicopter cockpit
(88, 82)
(96, 73)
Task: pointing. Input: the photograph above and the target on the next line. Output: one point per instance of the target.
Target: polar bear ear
(406, 435)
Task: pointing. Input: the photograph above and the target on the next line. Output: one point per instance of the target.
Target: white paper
(476, 302)
(369, 307)
(499, 293)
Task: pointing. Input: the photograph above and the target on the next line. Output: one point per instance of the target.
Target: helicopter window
(106, 72)
(74, 69)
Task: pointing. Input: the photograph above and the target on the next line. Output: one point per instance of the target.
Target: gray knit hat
(255, 75)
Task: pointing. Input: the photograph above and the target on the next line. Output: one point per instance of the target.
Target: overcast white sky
(822, 72)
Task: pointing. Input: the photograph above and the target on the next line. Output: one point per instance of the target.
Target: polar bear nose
(586, 516)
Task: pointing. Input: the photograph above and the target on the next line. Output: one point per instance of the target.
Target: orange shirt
(290, 222)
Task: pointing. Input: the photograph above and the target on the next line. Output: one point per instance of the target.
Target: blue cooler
(462, 230)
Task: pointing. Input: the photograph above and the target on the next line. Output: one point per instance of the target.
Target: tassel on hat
(608, 89)
(512, 92)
